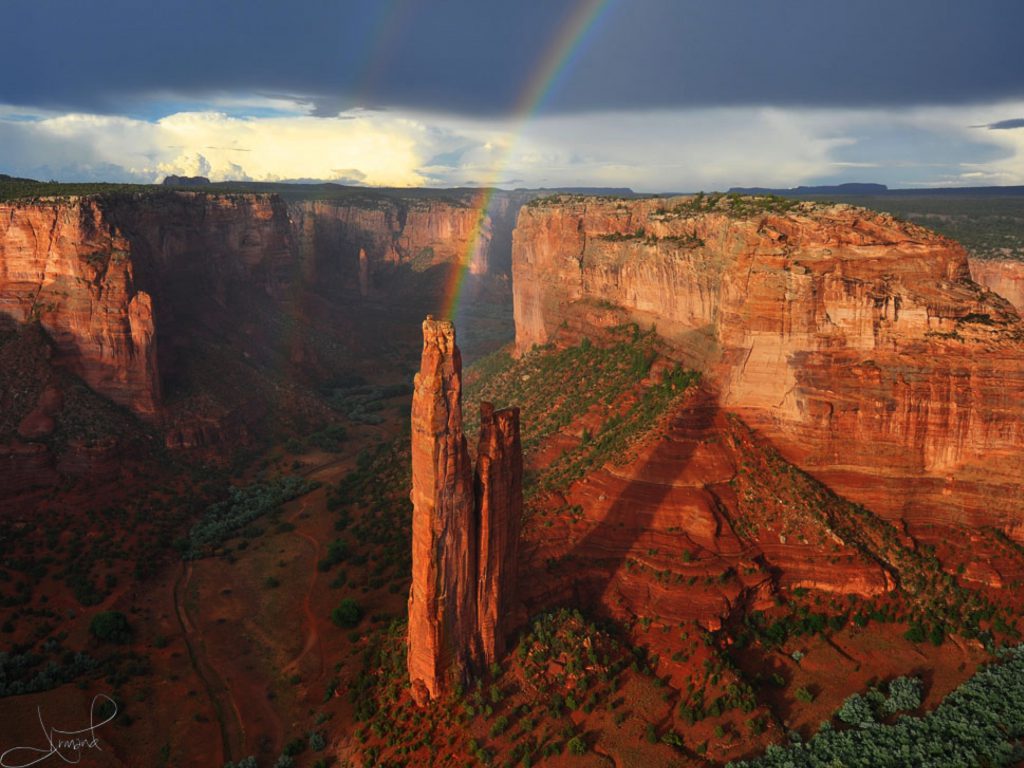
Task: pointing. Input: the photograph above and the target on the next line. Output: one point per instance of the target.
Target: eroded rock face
(362, 239)
(499, 504)
(103, 275)
(65, 265)
(1002, 276)
(442, 599)
(857, 343)
(461, 537)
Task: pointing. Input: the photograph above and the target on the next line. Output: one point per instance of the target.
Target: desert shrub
(317, 742)
(905, 695)
(981, 723)
(243, 505)
(110, 627)
(856, 710)
(804, 695)
(347, 614)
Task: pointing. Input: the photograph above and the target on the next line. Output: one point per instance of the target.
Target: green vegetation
(735, 205)
(347, 614)
(28, 189)
(577, 746)
(110, 627)
(554, 388)
(337, 552)
(243, 506)
(372, 505)
(22, 673)
(691, 240)
(781, 498)
(981, 723)
(363, 403)
(360, 197)
(330, 439)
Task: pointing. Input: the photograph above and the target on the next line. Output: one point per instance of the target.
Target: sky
(657, 95)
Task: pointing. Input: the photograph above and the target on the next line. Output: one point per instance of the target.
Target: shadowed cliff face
(104, 277)
(66, 266)
(857, 343)
(122, 283)
(464, 534)
(499, 505)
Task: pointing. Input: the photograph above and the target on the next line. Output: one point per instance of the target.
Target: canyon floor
(646, 543)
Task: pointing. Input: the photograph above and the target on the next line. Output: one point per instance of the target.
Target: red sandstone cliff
(857, 343)
(104, 275)
(366, 237)
(464, 544)
(1001, 276)
(64, 264)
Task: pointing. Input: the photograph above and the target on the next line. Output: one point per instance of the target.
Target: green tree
(111, 627)
(347, 614)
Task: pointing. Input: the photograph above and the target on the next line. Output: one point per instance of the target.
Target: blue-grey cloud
(1005, 125)
(469, 57)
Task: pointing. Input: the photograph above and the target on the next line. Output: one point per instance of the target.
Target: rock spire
(465, 525)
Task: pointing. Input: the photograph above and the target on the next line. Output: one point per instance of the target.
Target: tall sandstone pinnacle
(464, 530)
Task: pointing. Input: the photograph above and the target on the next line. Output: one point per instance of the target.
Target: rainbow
(564, 50)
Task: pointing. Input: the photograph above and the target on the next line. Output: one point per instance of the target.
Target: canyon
(465, 526)
(856, 343)
(105, 276)
(147, 297)
(646, 526)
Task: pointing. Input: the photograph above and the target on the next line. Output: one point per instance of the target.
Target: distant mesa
(186, 181)
(852, 188)
(865, 189)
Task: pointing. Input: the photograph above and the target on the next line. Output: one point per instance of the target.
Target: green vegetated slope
(981, 723)
(27, 369)
(553, 388)
(29, 189)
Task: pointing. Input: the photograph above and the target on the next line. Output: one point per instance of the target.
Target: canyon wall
(464, 533)
(857, 343)
(65, 265)
(108, 277)
(371, 236)
(101, 275)
(1002, 276)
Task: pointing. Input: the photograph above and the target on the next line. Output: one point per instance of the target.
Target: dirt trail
(232, 732)
(222, 700)
(313, 634)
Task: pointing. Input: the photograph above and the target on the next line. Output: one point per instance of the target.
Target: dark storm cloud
(472, 57)
(1005, 125)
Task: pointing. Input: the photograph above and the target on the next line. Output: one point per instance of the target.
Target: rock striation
(1002, 276)
(499, 503)
(357, 240)
(102, 275)
(464, 530)
(856, 342)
